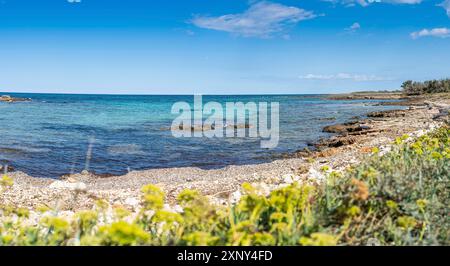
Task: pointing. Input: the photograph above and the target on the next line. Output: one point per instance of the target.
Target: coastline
(81, 191)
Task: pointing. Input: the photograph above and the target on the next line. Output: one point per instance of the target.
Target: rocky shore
(9, 99)
(353, 141)
(382, 95)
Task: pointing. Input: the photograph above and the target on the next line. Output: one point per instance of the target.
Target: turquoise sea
(56, 134)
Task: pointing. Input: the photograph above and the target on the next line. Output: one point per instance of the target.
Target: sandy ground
(81, 191)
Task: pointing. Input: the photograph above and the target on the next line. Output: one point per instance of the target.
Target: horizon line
(191, 94)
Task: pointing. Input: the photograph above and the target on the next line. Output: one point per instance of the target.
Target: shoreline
(81, 191)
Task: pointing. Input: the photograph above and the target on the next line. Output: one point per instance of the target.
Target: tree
(430, 86)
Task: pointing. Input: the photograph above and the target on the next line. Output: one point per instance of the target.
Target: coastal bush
(430, 86)
(398, 198)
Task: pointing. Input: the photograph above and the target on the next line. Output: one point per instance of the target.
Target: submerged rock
(326, 118)
(207, 127)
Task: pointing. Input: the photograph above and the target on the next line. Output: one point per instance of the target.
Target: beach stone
(384, 150)
(71, 180)
(328, 152)
(290, 178)
(80, 186)
(235, 197)
(262, 188)
(316, 175)
(366, 149)
(77, 186)
(217, 201)
(373, 242)
(132, 202)
(303, 169)
(68, 215)
(177, 208)
(273, 179)
(287, 179)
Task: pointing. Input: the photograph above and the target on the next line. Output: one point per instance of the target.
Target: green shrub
(430, 86)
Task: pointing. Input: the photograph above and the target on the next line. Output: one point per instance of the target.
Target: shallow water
(52, 135)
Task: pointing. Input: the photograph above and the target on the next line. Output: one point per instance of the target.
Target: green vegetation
(431, 86)
(399, 198)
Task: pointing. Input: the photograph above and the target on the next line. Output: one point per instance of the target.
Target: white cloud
(446, 5)
(262, 19)
(368, 2)
(354, 27)
(407, 2)
(190, 32)
(437, 32)
(344, 76)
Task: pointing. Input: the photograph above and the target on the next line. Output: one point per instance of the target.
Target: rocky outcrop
(8, 168)
(444, 114)
(344, 128)
(335, 142)
(368, 96)
(385, 114)
(9, 99)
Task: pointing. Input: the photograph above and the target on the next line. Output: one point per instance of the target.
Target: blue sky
(221, 47)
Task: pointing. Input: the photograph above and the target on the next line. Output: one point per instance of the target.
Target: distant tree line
(430, 86)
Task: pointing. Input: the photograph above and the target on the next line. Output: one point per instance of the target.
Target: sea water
(57, 134)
